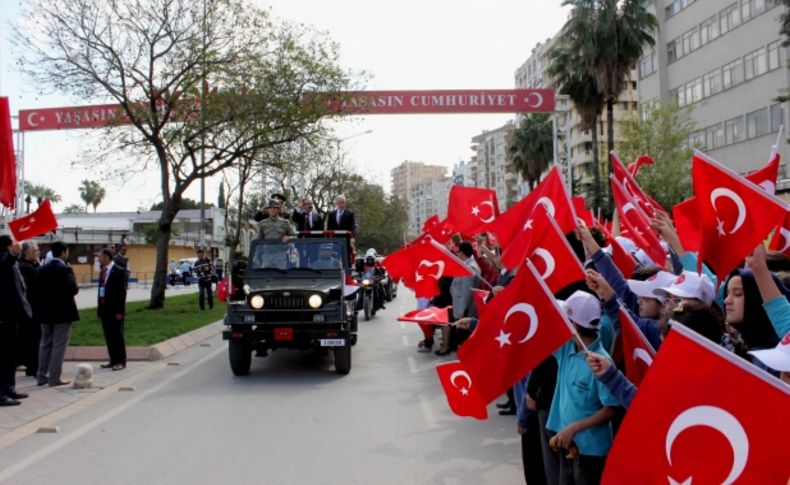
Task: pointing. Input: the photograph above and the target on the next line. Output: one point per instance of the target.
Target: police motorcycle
(390, 287)
(369, 276)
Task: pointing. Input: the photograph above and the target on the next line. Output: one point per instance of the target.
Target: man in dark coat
(112, 308)
(29, 328)
(306, 218)
(55, 287)
(341, 219)
(13, 307)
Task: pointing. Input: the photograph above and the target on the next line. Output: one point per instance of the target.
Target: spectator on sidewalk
(204, 270)
(29, 330)
(13, 307)
(219, 268)
(56, 309)
(111, 310)
(186, 272)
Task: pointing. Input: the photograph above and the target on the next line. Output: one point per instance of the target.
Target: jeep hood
(292, 284)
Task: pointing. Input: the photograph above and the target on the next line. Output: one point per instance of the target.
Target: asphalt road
(291, 421)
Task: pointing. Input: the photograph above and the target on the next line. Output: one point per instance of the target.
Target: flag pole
(779, 136)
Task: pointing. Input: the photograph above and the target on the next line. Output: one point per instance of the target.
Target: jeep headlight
(366, 282)
(315, 301)
(247, 289)
(256, 302)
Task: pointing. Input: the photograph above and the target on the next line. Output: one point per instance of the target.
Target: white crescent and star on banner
(538, 100)
(548, 259)
(786, 237)
(438, 274)
(504, 337)
(492, 215)
(461, 373)
(736, 199)
(723, 422)
(548, 204)
(643, 355)
(33, 115)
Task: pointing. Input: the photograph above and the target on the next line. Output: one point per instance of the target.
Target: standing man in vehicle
(204, 270)
(275, 227)
(342, 219)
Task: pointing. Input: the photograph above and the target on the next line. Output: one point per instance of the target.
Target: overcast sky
(410, 44)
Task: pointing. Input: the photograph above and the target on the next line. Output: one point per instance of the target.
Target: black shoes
(504, 405)
(507, 412)
(7, 401)
(17, 395)
(106, 366)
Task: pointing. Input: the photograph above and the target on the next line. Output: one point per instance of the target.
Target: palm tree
(609, 37)
(582, 89)
(531, 146)
(92, 193)
(41, 192)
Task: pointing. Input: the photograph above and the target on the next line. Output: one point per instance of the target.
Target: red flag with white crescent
(766, 176)
(461, 390)
(638, 224)
(479, 297)
(420, 266)
(432, 314)
(781, 240)
(637, 350)
(686, 218)
(7, 157)
(469, 208)
(702, 415)
(632, 188)
(39, 222)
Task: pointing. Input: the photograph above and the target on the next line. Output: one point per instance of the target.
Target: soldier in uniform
(274, 227)
(281, 200)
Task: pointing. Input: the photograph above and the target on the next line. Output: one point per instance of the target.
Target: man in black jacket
(112, 308)
(341, 219)
(13, 307)
(55, 287)
(29, 328)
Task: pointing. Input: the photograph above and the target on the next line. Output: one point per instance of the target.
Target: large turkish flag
(735, 214)
(702, 415)
(471, 207)
(39, 222)
(521, 326)
(421, 265)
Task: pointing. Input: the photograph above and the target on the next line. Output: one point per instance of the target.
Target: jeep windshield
(299, 255)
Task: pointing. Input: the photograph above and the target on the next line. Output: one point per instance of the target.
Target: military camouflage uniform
(275, 228)
(274, 255)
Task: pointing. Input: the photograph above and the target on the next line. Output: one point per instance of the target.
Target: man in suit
(13, 307)
(29, 329)
(341, 219)
(306, 218)
(112, 308)
(55, 308)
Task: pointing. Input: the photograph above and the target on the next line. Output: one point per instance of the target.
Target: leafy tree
(73, 209)
(151, 233)
(381, 221)
(530, 147)
(609, 37)
(186, 204)
(566, 71)
(220, 79)
(92, 193)
(41, 192)
(663, 134)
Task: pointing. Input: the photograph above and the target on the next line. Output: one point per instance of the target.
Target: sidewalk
(87, 297)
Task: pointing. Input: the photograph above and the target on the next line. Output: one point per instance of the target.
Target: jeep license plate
(332, 342)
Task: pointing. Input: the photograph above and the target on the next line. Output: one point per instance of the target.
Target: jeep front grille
(280, 301)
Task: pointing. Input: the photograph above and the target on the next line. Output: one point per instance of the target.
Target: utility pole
(202, 230)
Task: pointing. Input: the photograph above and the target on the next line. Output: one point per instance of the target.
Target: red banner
(71, 117)
(358, 102)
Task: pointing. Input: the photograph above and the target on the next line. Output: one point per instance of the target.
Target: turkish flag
(522, 326)
(781, 240)
(637, 350)
(687, 224)
(461, 390)
(420, 266)
(766, 177)
(34, 224)
(431, 222)
(551, 194)
(702, 414)
(638, 224)
(620, 257)
(7, 157)
(479, 297)
(735, 214)
(633, 168)
(580, 207)
(471, 207)
(632, 188)
(432, 314)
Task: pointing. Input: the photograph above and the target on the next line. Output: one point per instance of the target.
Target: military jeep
(292, 296)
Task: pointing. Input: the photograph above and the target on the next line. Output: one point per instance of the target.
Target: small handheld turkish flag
(781, 240)
(633, 168)
(479, 296)
(735, 214)
(637, 350)
(686, 218)
(461, 390)
(620, 257)
(702, 415)
(766, 177)
(632, 188)
(470, 207)
(432, 314)
(633, 217)
(522, 326)
(421, 265)
(34, 224)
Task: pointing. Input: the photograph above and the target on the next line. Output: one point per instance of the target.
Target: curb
(159, 351)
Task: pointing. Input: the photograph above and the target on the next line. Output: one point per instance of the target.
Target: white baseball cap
(689, 285)
(627, 244)
(644, 260)
(777, 358)
(646, 288)
(582, 309)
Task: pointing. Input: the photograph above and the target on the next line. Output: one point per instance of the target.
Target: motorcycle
(390, 288)
(370, 294)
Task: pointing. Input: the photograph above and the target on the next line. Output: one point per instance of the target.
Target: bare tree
(202, 84)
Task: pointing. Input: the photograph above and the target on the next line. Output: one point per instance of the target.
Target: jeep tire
(343, 359)
(240, 357)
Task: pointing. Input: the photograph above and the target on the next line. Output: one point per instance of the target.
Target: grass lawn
(146, 327)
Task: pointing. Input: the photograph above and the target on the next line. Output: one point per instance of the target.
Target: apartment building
(724, 60)
(489, 167)
(409, 173)
(426, 199)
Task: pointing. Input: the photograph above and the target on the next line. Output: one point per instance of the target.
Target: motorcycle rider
(373, 270)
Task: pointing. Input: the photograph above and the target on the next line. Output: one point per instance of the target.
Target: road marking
(79, 432)
(427, 412)
(412, 364)
(405, 340)
(402, 326)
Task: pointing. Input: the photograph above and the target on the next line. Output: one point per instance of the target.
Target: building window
(757, 123)
(734, 130)
(690, 41)
(711, 83)
(732, 73)
(758, 7)
(755, 63)
(730, 18)
(694, 91)
(709, 30)
(746, 10)
(672, 54)
(714, 136)
(777, 117)
(697, 140)
(773, 55)
(647, 65)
